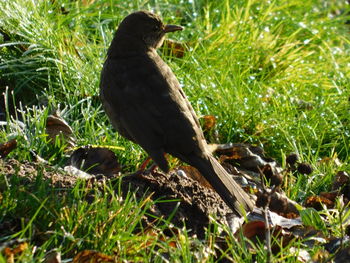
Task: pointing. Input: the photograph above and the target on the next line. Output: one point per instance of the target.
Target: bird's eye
(156, 28)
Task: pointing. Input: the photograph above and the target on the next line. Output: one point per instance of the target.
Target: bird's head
(146, 27)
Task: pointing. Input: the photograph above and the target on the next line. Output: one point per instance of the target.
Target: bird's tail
(223, 183)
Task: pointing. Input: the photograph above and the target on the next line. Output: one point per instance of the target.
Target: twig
(266, 212)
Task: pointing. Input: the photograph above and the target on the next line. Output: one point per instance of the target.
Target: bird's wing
(151, 106)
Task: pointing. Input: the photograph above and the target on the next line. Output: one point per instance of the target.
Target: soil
(193, 203)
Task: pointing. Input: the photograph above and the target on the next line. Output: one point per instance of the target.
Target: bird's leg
(152, 168)
(144, 164)
(143, 171)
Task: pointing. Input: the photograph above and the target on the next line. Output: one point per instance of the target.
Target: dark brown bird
(145, 103)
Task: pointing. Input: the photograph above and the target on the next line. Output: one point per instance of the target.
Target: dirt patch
(193, 203)
(184, 200)
(27, 173)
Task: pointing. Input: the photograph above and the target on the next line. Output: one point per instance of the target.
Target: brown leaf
(164, 236)
(278, 203)
(53, 256)
(256, 232)
(317, 202)
(331, 160)
(342, 183)
(321, 256)
(209, 122)
(254, 229)
(340, 180)
(246, 156)
(57, 126)
(332, 196)
(174, 48)
(92, 256)
(7, 147)
(95, 160)
(11, 253)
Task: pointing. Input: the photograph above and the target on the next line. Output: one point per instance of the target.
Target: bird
(145, 103)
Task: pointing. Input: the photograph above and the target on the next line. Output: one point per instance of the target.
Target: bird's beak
(172, 28)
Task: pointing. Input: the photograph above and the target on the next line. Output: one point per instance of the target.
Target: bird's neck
(127, 45)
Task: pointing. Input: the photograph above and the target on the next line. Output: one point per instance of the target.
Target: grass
(274, 73)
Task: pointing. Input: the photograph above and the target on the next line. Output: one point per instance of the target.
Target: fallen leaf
(331, 160)
(11, 253)
(92, 256)
(340, 180)
(209, 122)
(255, 229)
(167, 235)
(275, 219)
(321, 256)
(246, 156)
(278, 203)
(256, 232)
(57, 126)
(317, 202)
(174, 48)
(53, 256)
(7, 147)
(95, 160)
(332, 196)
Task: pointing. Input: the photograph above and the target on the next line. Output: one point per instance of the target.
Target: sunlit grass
(274, 73)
